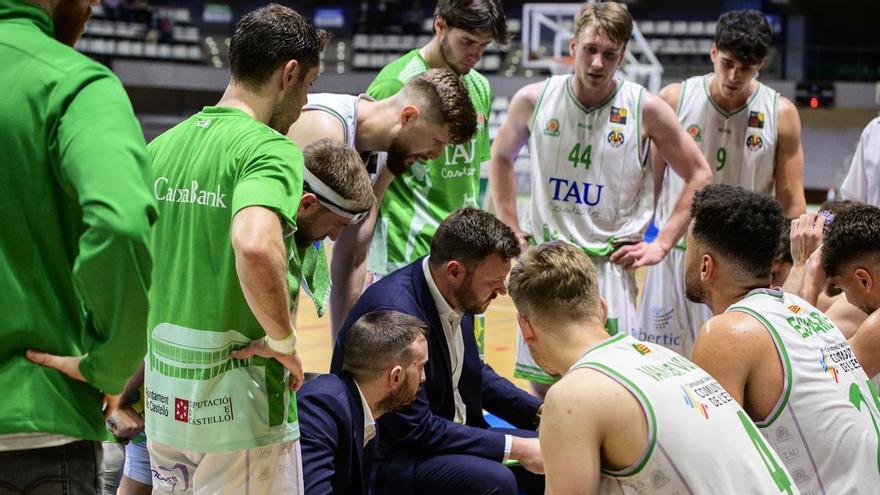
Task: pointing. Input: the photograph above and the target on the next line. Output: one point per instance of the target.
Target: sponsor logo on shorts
(618, 115)
(615, 138)
(695, 132)
(172, 476)
(754, 142)
(552, 128)
(756, 119)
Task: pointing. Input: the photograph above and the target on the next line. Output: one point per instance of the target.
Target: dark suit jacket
(427, 428)
(331, 423)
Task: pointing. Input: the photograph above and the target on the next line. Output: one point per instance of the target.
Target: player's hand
(525, 239)
(806, 235)
(632, 256)
(528, 452)
(291, 362)
(815, 278)
(125, 423)
(69, 365)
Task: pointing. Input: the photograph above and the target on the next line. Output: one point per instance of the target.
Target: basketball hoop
(561, 64)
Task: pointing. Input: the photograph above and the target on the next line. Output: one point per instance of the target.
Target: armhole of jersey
(644, 142)
(334, 113)
(646, 408)
(681, 94)
(786, 367)
(538, 105)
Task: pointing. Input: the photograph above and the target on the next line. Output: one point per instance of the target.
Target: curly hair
(475, 16)
(744, 33)
(554, 280)
(742, 226)
(854, 233)
(445, 99)
(270, 36)
(469, 236)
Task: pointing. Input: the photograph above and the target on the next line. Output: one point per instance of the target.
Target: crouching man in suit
(441, 443)
(383, 367)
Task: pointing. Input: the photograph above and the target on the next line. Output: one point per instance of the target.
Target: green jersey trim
(546, 379)
(643, 158)
(724, 114)
(335, 114)
(570, 92)
(681, 96)
(538, 105)
(782, 402)
(605, 343)
(640, 464)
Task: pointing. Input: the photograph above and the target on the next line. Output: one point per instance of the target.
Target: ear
(408, 114)
(290, 74)
(707, 267)
(455, 271)
(713, 53)
(603, 309)
(572, 45)
(525, 327)
(395, 377)
(864, 278)
(439, 25)
(307, 204)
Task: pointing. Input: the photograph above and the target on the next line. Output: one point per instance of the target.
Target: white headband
(331, 200)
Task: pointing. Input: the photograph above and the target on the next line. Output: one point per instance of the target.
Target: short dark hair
(469, 236)
(854, 232)
(268, 37)
(783, 249)
(379, 340)
(475, 16)
(340, 167)
(742, 226)
(448, 102)
(744, 33)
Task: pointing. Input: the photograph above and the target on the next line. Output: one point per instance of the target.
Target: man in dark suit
(383, 367)
(441, 443)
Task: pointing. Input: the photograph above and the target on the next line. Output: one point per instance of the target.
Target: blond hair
(555, 282)
(444, 99)
(342, 170)
(610, 18)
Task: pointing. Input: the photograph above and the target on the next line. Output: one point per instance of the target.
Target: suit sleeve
(319, 441)
(419, 429)
(507, 401)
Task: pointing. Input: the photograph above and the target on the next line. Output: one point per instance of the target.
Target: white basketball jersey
(345, 108)
(700, 441)
(862, 182)
(825, 425)
(740, 146)
(590, 185)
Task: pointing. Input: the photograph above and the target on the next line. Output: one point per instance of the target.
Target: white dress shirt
(369, 422)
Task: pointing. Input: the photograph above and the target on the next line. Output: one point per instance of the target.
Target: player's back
(700, 440)
(825, 423)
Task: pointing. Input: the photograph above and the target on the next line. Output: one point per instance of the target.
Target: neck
(373, 394)
(591, 98)
(572, 340)
(732, 103)
(377, 124)
(732, 291)
(246, 100)
(433, 54)
(444, 287)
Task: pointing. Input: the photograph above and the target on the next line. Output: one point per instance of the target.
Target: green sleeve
(102, 159)
(485, 147)
(383, 88)
(273, 178)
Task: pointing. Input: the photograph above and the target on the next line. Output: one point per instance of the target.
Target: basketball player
(749, 134)
(862, 183)
(588, 140)
(782, 359)
(414, 125)
(628, 416)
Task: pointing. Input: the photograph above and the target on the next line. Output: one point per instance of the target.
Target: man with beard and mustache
(423, 196)
(74, 246)
(238, 201)
(441, 443)
(782, 359)
(383, 368)
(589, 134)
(416, 124)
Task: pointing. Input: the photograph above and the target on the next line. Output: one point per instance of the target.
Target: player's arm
(806, 236)
(866, 345)
(348, 266)
(788, 174)
(670, 94)
(678, 149)
(513, 134)
(314, 125)
(844, 315)
(572, 433)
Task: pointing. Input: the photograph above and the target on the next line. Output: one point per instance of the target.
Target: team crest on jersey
(615, 138)
(552, 128)
(754, 141)
(695, 132)
(756, 120)
(618, 116)
(642, 348)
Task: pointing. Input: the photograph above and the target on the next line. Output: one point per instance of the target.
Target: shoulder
(328, 390)
(787, 113)
(582, 395)
(319, 120)
(671, 94)
(733, 333)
